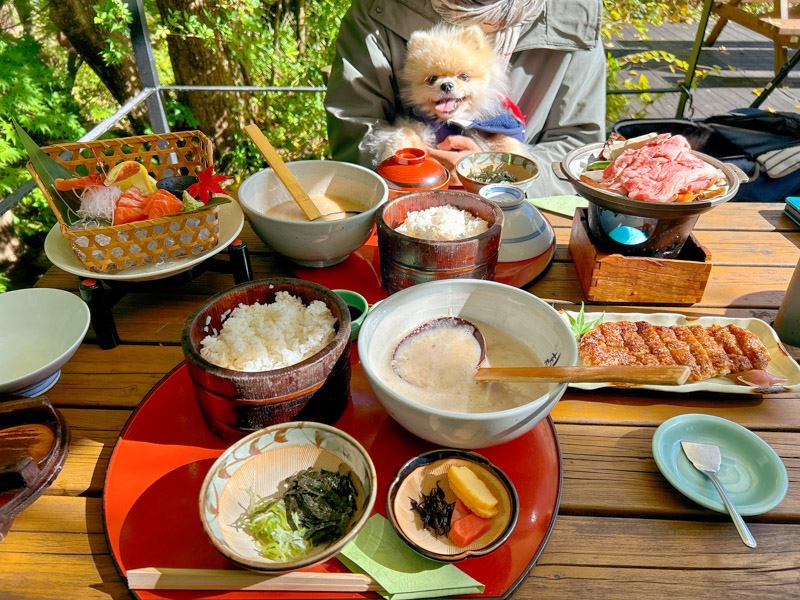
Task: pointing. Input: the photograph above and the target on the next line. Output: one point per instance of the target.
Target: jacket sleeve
(564, 111)
(361, 91)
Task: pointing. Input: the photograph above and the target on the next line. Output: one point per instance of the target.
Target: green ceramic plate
(751, 471)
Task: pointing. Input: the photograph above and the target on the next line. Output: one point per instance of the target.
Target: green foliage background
(56, 99)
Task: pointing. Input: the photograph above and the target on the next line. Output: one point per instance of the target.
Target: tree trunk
(300, 15)
(200, 62)
(75, 18)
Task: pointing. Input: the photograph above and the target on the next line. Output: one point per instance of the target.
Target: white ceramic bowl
(510, 310)
(41, 329)
(526, 233)
(319, 243)
(260, 462)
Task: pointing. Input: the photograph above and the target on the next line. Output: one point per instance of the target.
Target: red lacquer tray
(361, 271)
(150, 498)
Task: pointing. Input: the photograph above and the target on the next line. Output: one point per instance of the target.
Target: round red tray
(150, 498)
(361, 271)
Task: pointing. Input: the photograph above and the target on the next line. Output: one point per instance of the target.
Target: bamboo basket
(113, 247)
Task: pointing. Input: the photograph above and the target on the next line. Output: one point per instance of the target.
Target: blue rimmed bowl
(259, 463)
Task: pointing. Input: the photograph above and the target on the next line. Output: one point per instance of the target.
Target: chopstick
(163, 578)
(638, 374)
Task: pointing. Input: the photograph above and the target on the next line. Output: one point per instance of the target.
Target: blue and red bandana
(510, 122)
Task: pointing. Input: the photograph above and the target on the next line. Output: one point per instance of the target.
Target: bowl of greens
(288, 496)
(482, 168)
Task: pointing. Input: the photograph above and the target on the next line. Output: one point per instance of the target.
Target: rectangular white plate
(781, 363)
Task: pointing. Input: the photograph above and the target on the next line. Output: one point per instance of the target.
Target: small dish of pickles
(452, 504)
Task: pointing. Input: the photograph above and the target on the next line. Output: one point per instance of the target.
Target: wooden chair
(782, 27)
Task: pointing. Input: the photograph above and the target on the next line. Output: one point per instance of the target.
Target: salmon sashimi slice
(162, 203)
(130, 207)
(76, 183)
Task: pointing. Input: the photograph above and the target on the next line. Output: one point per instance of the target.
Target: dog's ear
(418, 39)
(474, 37)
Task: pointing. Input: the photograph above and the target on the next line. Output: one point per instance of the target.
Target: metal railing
(152, 88)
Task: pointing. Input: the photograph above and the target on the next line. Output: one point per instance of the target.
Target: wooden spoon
(297, 192)
(634, 374)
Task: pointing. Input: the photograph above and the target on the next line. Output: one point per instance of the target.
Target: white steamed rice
(442, 223)
(262, 337)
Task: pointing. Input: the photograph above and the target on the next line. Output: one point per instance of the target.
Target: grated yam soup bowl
(514, 312)
(40, 331)
(420, 475)
(407, 261)
(260, 462)
(524, 170)
(318, 243)
(236, 403)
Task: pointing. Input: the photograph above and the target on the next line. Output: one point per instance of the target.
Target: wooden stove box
(638, 279)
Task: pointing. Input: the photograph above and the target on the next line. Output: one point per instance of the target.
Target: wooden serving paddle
(162, 578)
(296, 191)
(635, 374)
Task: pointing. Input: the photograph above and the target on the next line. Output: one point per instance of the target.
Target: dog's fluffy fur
(449, 73)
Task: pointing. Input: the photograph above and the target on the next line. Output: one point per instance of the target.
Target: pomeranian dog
(452, 83)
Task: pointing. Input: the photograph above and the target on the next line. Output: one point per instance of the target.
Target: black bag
(740, 137)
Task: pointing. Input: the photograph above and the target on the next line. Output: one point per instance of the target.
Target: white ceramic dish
(318, 243)
(260, 462)
(58, 250)
(513, 311)
(40, 331)
(781, 363)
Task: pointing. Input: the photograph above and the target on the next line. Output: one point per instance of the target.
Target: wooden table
(781, 25)
(622, 531)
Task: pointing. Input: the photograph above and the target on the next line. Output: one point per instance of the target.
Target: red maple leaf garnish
(207, 184)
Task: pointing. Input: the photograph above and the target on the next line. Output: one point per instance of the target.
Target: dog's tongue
(446, 106)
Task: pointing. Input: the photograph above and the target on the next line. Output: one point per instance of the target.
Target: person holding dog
(554, 57)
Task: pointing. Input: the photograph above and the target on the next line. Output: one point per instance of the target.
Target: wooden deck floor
(744, 58)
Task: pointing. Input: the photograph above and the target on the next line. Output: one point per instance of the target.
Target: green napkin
(379, 552)
(562, 205)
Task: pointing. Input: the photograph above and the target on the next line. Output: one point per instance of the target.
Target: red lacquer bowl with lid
(412, 170)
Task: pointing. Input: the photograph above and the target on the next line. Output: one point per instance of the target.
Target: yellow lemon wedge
(131, 173)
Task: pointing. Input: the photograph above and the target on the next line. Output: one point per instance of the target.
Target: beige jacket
(557, 78)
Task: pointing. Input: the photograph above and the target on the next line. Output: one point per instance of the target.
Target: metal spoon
(288, 179)
(637, 374)
(706, 458)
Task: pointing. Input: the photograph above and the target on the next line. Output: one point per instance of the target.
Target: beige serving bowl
(259, 463)
(318, 243)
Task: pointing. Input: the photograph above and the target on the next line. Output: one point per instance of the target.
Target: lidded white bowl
(526, 233)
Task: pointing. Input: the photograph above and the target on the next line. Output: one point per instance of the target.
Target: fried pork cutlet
(707, 351)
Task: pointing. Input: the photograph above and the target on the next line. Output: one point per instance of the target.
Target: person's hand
(452, 149)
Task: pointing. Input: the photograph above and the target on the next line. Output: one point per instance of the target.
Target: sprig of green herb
(579, 326)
